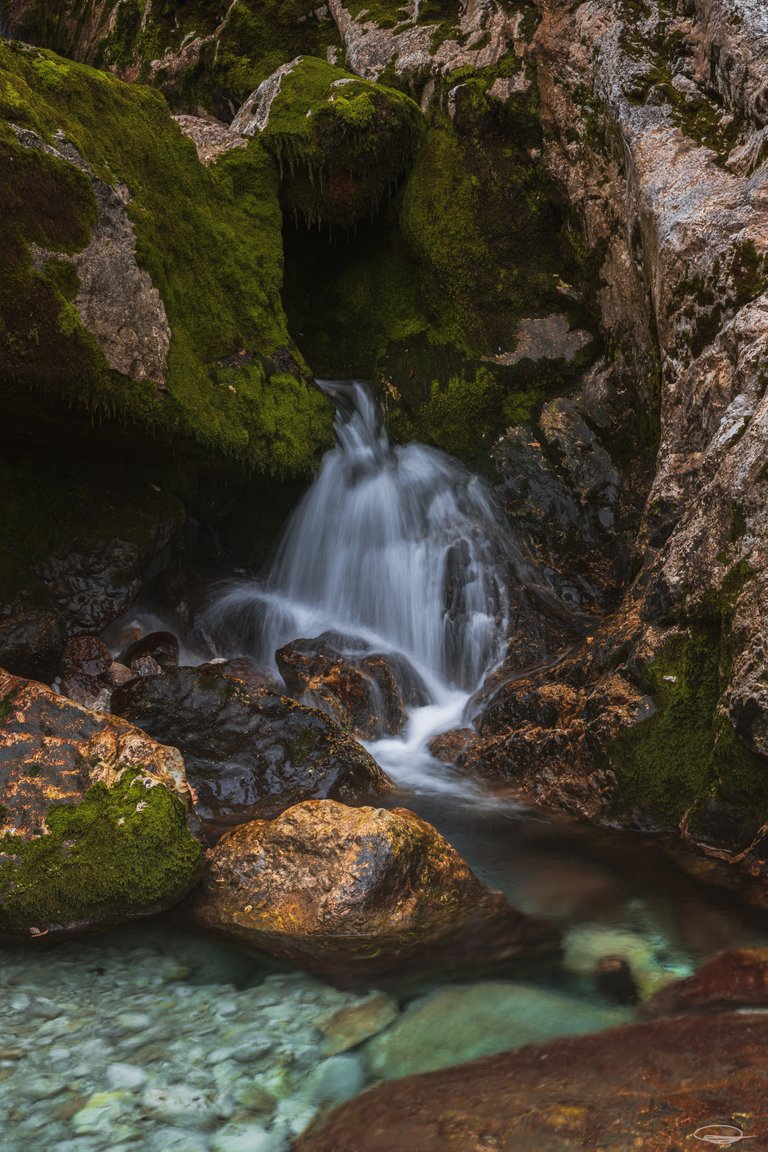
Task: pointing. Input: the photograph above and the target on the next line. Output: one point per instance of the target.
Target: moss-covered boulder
(249, 752)
(93, 817)
(341, 142)
(350, 892)
(138, 288)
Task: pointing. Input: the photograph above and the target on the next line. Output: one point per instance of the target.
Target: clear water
(154, 1038)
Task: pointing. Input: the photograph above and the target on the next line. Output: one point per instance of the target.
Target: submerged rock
(350, 892)
(249, 753)
(93, 826)
(648, 1087)
(465, 1022)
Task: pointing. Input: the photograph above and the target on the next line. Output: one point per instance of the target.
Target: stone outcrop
(116, 299)
(482, 36)
(93, 826)
(648, 1087)
(351, 892)
(249, 752)
(655, 128)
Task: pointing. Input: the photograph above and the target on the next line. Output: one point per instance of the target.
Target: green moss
(119, 852)
(241, 45)
(687, 757)
(341, 143)
(426, 297)
(209, 238)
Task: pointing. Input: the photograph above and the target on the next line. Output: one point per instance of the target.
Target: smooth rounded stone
(247, 1138)
(467, 1021)
(101, 1112)
(586, 945)
(181, 1105)
(351, 891)
(647, 1087)
(248, 752)
(126, 1076)
(348, 1026)
(40, 1087)
(337, 1079)
(176, 1140)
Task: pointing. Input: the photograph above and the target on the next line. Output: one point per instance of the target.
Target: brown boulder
(646, 1087)
(366, 692)
(249, 753)
(358, 891)
(734, 978)
(93, 824)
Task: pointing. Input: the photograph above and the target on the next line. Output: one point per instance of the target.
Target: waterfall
(397, 546)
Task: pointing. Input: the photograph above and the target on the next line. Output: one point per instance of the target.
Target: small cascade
(399, 548)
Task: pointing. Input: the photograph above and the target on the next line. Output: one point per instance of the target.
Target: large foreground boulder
(249, 753)
(349, 892)
(93, 817)
(646, 1087)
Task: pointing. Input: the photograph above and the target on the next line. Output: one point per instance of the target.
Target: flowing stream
(153, 1038)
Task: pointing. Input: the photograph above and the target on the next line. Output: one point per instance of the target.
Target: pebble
(177, 1045)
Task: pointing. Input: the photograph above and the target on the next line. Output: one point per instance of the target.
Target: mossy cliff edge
(77, 149)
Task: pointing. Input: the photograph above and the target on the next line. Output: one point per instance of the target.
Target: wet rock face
(92, 583)
(249, 752)
(648, 1087)
(367, 693)
(31, 641)
(162, 647)
(93, 823)
(349, 892)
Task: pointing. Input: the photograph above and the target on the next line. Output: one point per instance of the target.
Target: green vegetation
(425, 296)
(687, 757)
(341, 143)
(209, 238)
(238, 45)
(120, 852)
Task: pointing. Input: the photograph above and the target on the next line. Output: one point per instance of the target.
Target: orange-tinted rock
(93, 826)
(734, 978)
(640, 1088)
(366, 692)
(358, 891)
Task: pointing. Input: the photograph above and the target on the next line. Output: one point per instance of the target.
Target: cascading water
(398, 547)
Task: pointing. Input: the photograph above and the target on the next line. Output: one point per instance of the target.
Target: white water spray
(399, 547)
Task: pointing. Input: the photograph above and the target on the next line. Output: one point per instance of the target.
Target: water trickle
(399, 547)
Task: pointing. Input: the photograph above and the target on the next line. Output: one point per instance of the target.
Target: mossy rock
(237, 46)
(685, 763)
(341, 142)
(93, 820)
(210, 240)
